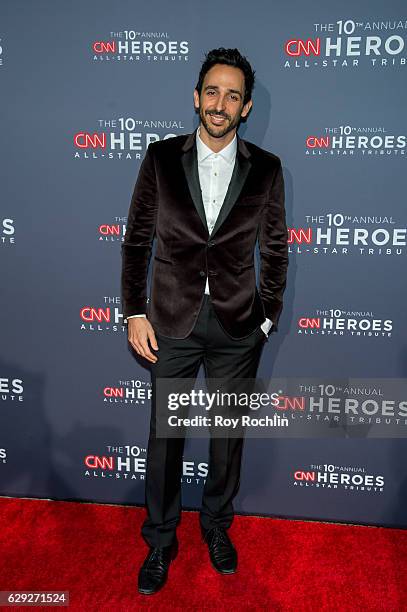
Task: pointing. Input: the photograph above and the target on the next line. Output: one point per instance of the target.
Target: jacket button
(202, 273)
(211, 243)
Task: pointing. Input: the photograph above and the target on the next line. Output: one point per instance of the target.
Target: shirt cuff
(132, 316)
(266, 326)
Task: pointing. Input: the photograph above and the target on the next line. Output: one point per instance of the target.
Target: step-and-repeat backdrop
(85, 87)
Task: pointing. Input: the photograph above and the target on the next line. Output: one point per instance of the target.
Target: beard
(221, 130)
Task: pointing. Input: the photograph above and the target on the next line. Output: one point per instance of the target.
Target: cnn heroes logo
(7, 231)
(113, 231)
(349, 44)
(130, 46)
(129, 392)
(348, 407)
(11, 390)
(348, 140)
(119, 463)
(343, 234)
(123, 138)
(353, 479)
(107, 317)
(344, 322)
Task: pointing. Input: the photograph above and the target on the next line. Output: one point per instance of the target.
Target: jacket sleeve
(138, 239)
(273, 246)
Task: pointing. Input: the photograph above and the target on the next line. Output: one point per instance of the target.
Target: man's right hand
(140, 331)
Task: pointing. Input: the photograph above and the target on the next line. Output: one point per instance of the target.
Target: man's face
(221, 102)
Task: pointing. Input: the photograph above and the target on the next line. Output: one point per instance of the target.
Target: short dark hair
(230, 57)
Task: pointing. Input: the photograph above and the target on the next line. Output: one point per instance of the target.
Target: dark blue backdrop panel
(85, 88)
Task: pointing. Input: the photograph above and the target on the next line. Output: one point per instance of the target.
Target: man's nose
(220, 103)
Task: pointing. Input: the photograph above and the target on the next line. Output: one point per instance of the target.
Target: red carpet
(94, 551)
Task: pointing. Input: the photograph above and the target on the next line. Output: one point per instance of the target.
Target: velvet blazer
(167, 206)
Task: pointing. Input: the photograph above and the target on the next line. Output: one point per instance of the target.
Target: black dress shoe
(222, 553)
(154, 571)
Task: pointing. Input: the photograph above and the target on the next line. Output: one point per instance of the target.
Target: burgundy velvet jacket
(167, 205)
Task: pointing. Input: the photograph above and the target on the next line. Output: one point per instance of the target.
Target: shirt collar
(228, 153)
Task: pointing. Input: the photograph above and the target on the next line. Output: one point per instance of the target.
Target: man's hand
(140, 331)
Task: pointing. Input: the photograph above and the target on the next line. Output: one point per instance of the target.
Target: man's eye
(210, 92)
(234, 97)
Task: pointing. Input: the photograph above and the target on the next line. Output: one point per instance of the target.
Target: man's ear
(196, 100)
(246, 108)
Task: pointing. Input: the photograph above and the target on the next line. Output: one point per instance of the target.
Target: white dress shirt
(215, 171)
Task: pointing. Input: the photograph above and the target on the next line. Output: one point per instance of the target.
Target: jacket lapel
(239, 175)
(190, 163)
(240, 171)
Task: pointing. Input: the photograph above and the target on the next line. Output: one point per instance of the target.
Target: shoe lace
(155, 564)
(220, 536)
(157, 554)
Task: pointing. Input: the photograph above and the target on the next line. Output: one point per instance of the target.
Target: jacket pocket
(162, 259)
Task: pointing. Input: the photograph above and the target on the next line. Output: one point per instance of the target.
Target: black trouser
(223, 357)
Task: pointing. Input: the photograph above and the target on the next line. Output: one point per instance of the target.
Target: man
(206, 197)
